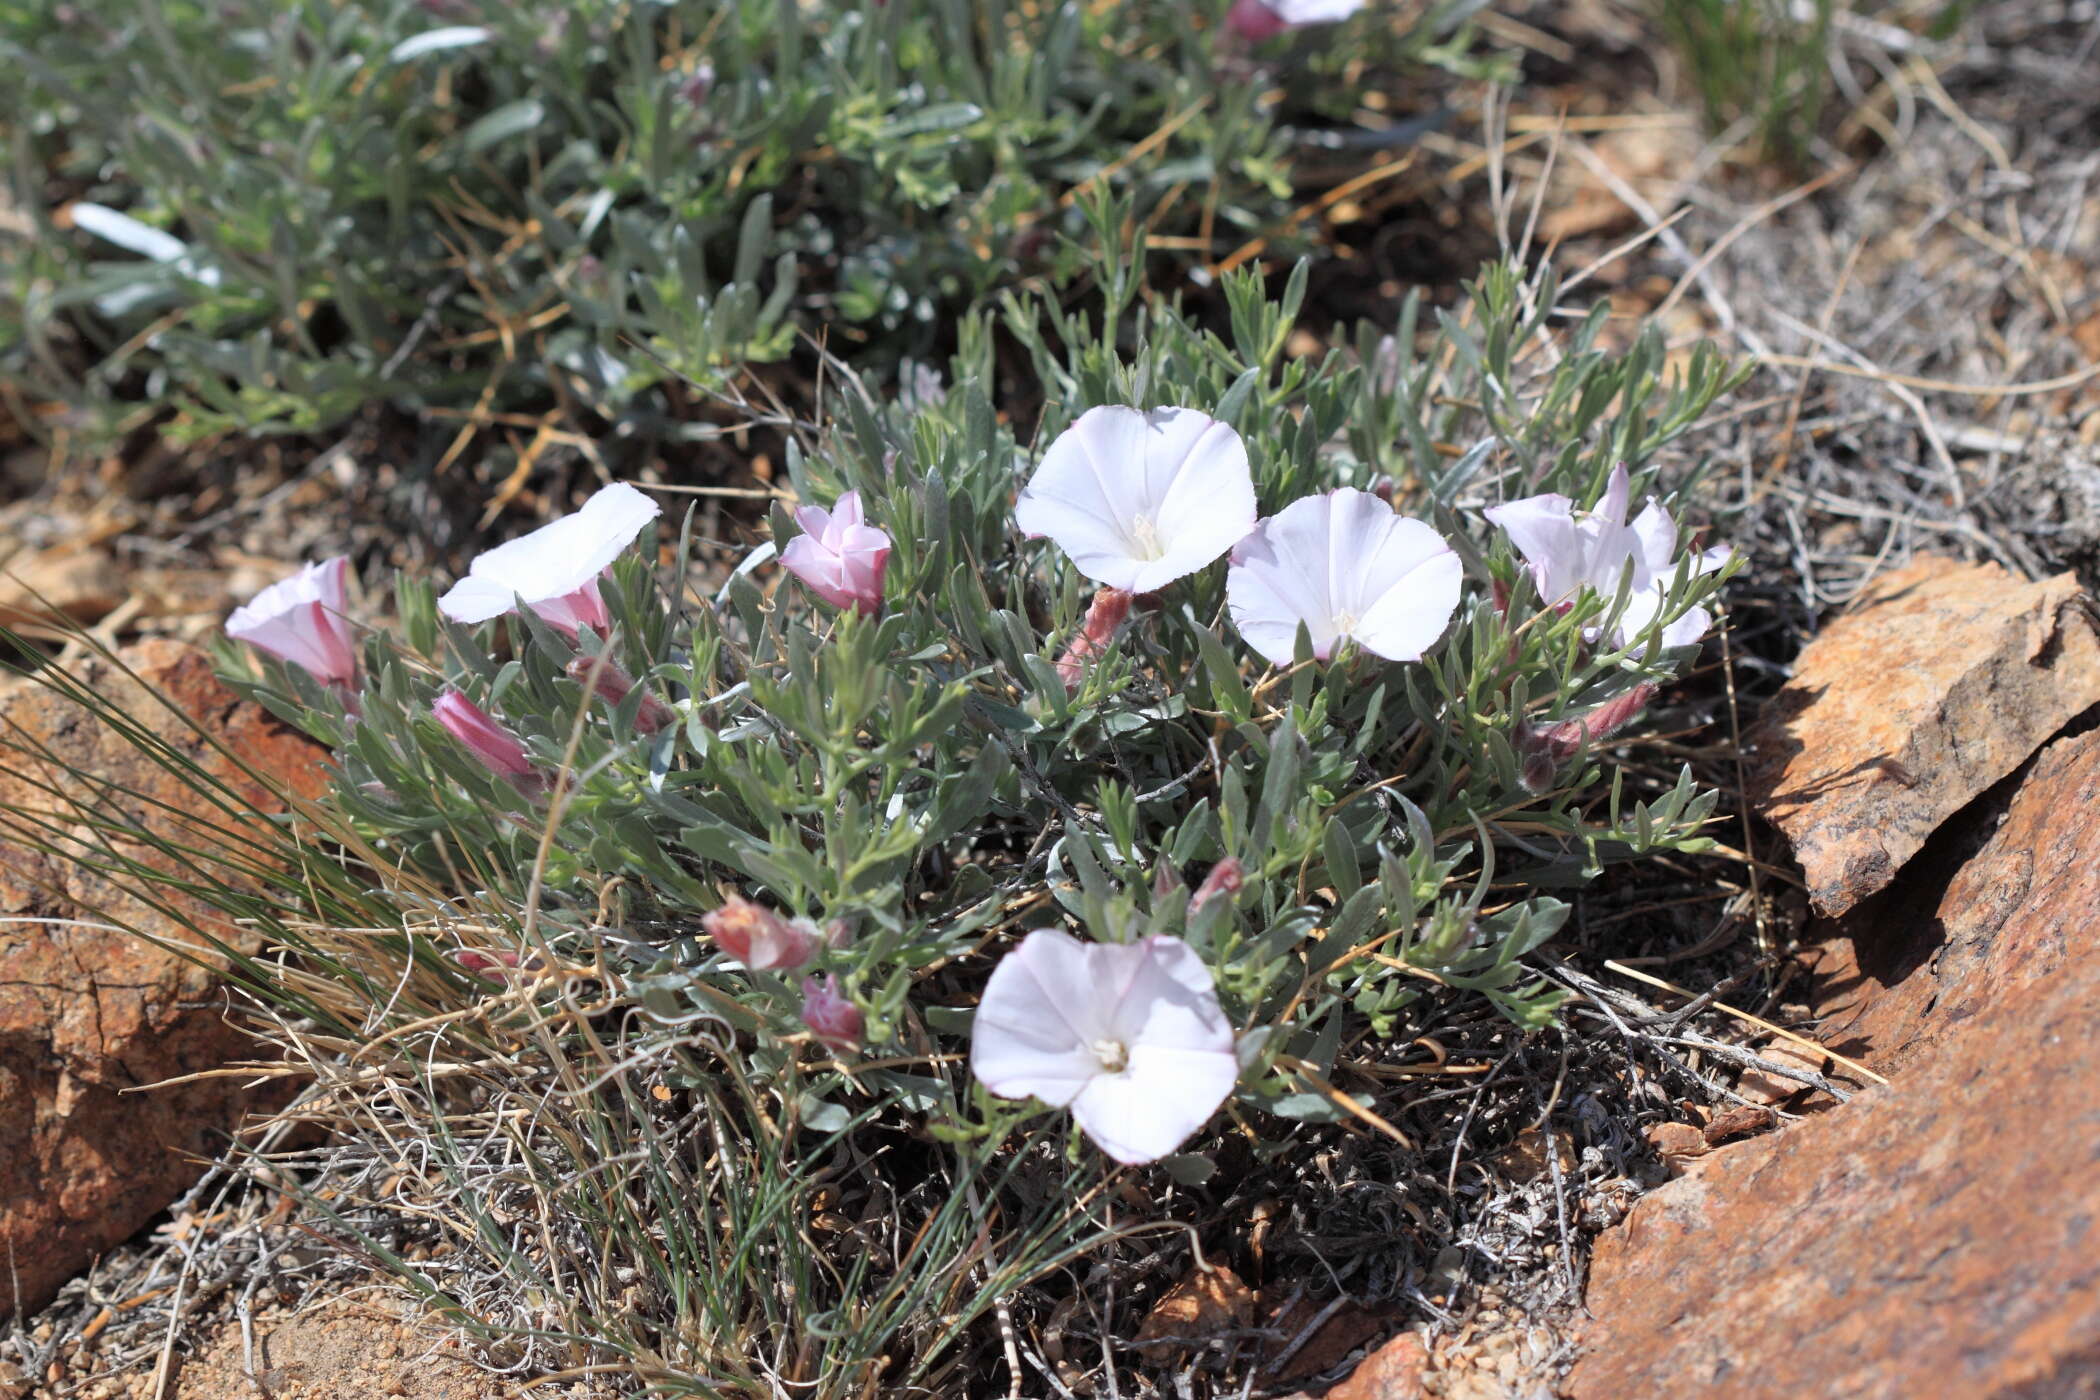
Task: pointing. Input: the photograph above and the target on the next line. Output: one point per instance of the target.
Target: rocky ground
(1824, 1121)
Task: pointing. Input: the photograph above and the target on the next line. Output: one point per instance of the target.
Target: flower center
(1345, 624)
(1113, 1055)
(1145, 535)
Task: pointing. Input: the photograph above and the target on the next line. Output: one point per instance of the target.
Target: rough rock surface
(1393, 1372)
(1945, 678)
(1934, 1237)
(2011, 915)
(89, 1011)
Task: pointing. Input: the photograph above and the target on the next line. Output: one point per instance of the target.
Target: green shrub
(312, 207)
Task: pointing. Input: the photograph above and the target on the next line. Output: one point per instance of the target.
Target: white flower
(556, 567)
(1139, 499)
(1349, 568)
(1567, 552)
(1130, 1035)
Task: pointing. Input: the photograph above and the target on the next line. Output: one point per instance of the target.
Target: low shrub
(718, 936)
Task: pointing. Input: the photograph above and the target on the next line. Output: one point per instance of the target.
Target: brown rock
(1742, 1121)
(1206, 1302)
(87, 1010)
(1944, 679)
(2010, 916)
(1928, 1239)
(1677, 1143)
(1393, 1372)
(1342, 1332)
(80, 585)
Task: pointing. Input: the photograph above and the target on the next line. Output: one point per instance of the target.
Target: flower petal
(1170, 999)
(557, 559)
(1140, 499)
(1151, 1108)
(1617, 493)
(1655, 537)
(1543, 530)
(1037, 1021)
(1281, 576)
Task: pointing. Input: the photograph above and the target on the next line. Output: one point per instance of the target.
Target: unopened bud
(1105, 617)
(612, 684)
(1225, 878)
(759, 938)
(836, 1021)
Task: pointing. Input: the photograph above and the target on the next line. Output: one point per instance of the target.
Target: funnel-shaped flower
(839, 555)
(759, 938)
(1566, 551)
(496, 747)
(1256, 20)
(1139, 499)
(555, 569)
(1348, 568)
(300, 620)
(1129, 1035)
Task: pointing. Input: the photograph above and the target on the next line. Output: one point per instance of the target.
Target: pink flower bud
(1541, 750)
(487, 963)
(1253, 21)
(759, 938)
(612, 685)
(1104, 618)
(836, 1021)
(1225, 878)
(301, 621)
(495, 746)
(839, 555)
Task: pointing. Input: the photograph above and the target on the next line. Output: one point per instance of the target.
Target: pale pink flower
(610, 681)
(1128, 1035)
(555, 568)
(1566, 551)
(839, 555)
(301, 620)
(1140, 499)
(498, 749)
(1256, 20)
(1348, 568)
(836, 1021)
(759, 938)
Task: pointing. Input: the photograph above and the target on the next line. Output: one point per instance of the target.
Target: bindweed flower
(1566, 551)
(612, 684)
(1224, 879)
(759, 938)
(1140, 499)
(301, 620)
(555, 569)
(839, 555)
(1128, 1035)
(498, 749)
(1350, 569)
(836, 1021)
(1256, 20)
(1105, 617)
